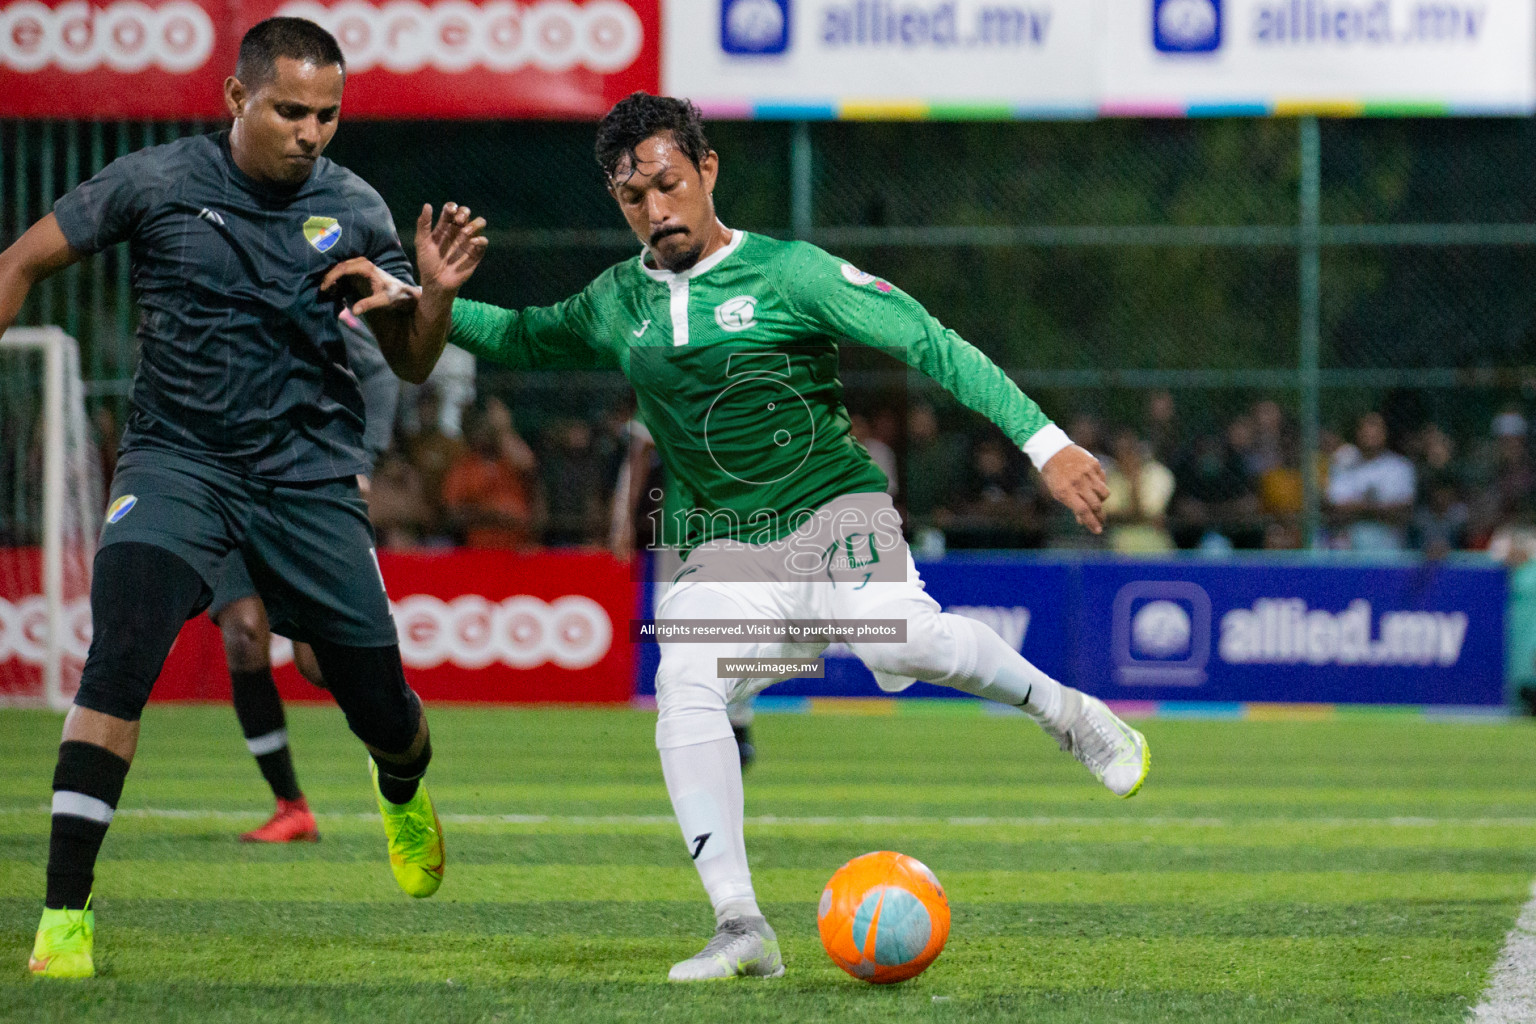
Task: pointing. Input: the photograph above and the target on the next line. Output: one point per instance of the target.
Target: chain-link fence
(1232, 291)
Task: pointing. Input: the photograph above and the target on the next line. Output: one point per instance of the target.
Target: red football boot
(292, 823)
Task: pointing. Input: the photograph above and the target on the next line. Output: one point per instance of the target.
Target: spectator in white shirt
(1370, 496)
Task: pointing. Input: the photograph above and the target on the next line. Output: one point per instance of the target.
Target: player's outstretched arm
(843, 301)
(412, 322)
(41, 251)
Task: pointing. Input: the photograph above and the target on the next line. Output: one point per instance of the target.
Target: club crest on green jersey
(322, 232)
(737, 314)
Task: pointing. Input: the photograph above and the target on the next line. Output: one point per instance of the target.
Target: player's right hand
(1075, 478)
(379, 289)
(448, 252)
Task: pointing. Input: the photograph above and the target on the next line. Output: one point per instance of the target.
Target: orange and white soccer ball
(883, 917)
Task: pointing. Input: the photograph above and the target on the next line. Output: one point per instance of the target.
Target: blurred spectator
(431, 451)
(490, 493)
(1164, 436)
(1437, 454)
(935, 466)
(397, 503)
(1242, 436)
(1272, 440)
(1214, 504)
(1506, 477)
(635, 506)
(1283, 535)
(1281, 487)
(1440, 522)
(878, 450)
(453, 382)
(997, 510)
(1370, 490)
(1441, 518)
(1086, 432)
(575, 484)
(1140, 488)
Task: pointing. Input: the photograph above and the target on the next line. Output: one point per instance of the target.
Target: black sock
(397, 791)
(260, 711)
(393, 785)
(86, 787)
(277, 769)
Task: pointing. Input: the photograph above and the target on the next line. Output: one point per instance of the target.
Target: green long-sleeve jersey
(734, 366)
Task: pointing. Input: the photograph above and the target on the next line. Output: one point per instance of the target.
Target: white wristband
(1046, 442)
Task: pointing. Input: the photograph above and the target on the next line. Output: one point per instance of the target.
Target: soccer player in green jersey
(730, 341)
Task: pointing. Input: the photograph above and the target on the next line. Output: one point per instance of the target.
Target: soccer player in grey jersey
(237, 610)
(245, 435)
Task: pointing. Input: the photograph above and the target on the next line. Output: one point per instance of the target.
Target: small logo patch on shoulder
(322, 232)
(854, 276)
(121, 507)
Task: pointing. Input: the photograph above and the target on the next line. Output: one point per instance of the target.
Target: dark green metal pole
(1310, 326)
(801, 200)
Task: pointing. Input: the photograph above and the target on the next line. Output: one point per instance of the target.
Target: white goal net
(50, 513)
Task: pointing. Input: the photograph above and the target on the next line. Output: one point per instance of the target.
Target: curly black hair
(640, 115)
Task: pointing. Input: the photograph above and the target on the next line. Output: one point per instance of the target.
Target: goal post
(53, 512)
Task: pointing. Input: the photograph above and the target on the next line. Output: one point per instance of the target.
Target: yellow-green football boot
(1116, 754)
(416, 853)
(65, 942)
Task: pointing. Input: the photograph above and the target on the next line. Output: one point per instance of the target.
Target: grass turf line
(1265, 874)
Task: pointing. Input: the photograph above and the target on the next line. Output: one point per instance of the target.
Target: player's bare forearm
(39, 253)
(447, 254)
(14, 286)
(428, 333)
(412, 339)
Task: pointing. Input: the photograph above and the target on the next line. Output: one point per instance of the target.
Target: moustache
(664, 232)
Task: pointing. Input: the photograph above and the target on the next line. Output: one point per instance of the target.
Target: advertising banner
(1045, 58)
(1345, 56)
(1190, 631)
(1144, 630)
(121, 58)
(882, 58)
(448, 58)
(474, 625)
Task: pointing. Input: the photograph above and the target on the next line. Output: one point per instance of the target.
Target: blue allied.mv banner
(1233, 631)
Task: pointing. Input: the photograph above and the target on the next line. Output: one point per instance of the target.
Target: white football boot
(1117, 755)
(743, 947)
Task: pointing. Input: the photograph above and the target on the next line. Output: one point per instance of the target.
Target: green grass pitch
(1360, 869)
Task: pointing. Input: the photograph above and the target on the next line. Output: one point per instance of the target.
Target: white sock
(704, 782)
(740, 713)
(1004, 675)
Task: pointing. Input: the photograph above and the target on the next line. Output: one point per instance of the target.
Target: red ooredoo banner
(474, 625)
(436, 58)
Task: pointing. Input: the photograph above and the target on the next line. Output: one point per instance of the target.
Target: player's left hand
(448, 252)
(1076, 479)
(379, 290)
